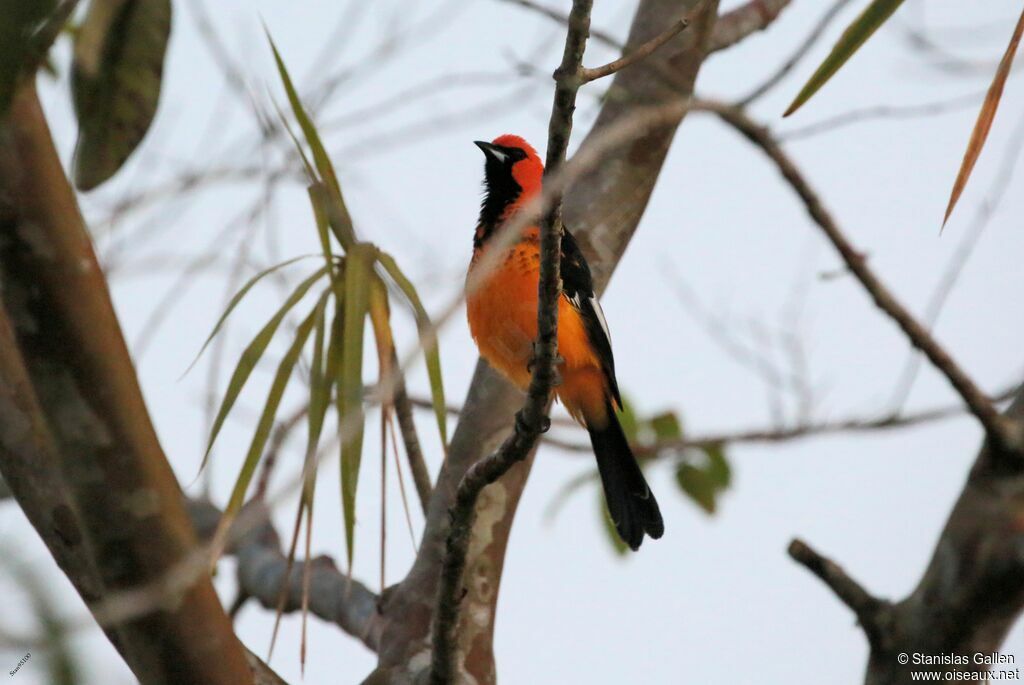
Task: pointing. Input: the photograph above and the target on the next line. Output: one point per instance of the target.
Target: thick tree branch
(333, 596)
(998, 430)
(749, 18)
(127, 509)
(972, 591)
(866, 607)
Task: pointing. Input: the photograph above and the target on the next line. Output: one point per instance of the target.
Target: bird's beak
(492, 151)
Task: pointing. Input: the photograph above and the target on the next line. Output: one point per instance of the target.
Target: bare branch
(644, 50)
(998, 430)
(563, 19)
(797, 55)
(865, 606)
(413, 452)
(262, 566)
(749, 18)
(532, 419)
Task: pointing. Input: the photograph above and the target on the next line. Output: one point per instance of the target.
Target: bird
(501, 305)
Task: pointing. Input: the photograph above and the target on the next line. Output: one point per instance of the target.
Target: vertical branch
(604, 205)
(532, 419)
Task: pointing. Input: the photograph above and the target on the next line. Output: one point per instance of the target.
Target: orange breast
(502, 314)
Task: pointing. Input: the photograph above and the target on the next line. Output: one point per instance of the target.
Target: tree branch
(747, 19)
(997, 429)
(532, 419)
(603, 202)
(592, 74)
(413, 451)
(972, 591)
(865, 606)
(262, 565)
(127, 510)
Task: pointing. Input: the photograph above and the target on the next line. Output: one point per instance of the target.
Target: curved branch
(262, 565)
(998, 430)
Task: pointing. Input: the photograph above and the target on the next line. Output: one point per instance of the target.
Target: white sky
(717, 599)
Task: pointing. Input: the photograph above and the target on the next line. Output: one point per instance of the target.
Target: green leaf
(697, 484)
(358, 272)
(666, 427)
(319, 388)
(310, 172)
(115, 82)
(234, 303)
(318, 198)
(342, 222)
(428, 341)
(251, 355)
(718, 468)
(266, 420)
(855, 35)
(380, 318)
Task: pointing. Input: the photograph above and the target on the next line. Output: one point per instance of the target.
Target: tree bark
(102, 495)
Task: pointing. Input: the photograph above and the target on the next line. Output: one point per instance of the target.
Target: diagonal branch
(592, 74)
(262, 566)
(747, 19)
(865, 606)
(998, 429)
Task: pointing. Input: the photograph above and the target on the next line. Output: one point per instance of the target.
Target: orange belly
(502, 314)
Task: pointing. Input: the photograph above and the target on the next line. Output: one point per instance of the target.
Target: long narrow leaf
(985, 118)
(853, 37)
(320, 158)
(266, 420)
(310, 172)
(252, 355)
(238, 298)
(428, 340)
(358, 274)
(318, 198)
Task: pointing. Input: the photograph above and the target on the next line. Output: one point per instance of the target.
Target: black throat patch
(500, 190)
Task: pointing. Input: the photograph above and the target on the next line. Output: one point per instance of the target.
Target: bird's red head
(513, 173)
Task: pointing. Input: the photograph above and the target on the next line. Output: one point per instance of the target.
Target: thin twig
(998, 429)
(532, 419)
(413, 451)
(641, 52)
(805, 47)
(962, 254)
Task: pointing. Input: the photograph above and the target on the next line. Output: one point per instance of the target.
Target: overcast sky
(717, 599)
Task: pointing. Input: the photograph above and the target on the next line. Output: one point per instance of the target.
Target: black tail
(630, 501)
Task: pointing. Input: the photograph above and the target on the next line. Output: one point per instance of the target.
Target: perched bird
(502, 311)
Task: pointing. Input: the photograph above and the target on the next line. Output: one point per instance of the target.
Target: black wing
(578, 287)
